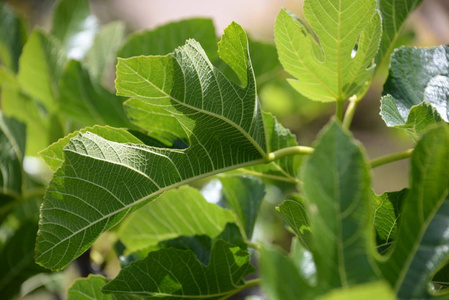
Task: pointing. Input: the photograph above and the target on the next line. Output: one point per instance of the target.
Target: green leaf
(441, 278)
(238, 58)
(201, 245)
(177, 274)
(90, 288)
(380, 289)
(18, 105)
(336, 184)
(16, 260)
(386, 214)
(87, 102)
(7, 78)
(394, 13)
(333, 59)
(167, 38)
(178, 212)
(53, 155)
(284, 169)
(13, 35)
(416, 89)
(281, 279)
(422, 243)
(102, 54)
(225, 131)
(74, 26)
(420, 117)
(243, 195)
(12, 145)
(265, 62)
(40, 67)
(295, 214)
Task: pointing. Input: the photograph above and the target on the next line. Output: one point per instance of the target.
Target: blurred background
(428, 26)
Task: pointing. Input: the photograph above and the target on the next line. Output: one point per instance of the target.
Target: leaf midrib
(200, 110)
(159, 191)
(417, 244)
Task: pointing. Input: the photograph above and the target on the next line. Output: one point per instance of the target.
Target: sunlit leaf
(90, 288)
(54, 154)
(332, 60)
(40, 67)
(380, 289)
(223, 128)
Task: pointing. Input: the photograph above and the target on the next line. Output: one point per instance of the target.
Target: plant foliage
(176, 167)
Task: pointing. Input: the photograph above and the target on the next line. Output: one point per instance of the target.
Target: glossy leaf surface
(417, 89)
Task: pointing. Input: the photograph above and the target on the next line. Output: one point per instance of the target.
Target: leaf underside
(220, 122)
(333, 59)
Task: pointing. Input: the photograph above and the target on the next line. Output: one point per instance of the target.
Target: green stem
(391, 158)
(339, 112)
(249, 283)
(350, 111)
(252, 282)
(253, 245)
(295, 150)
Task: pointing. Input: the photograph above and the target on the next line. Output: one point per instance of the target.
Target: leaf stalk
(296, 150)
(339, 111)
(350, 111)
(386, 159)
